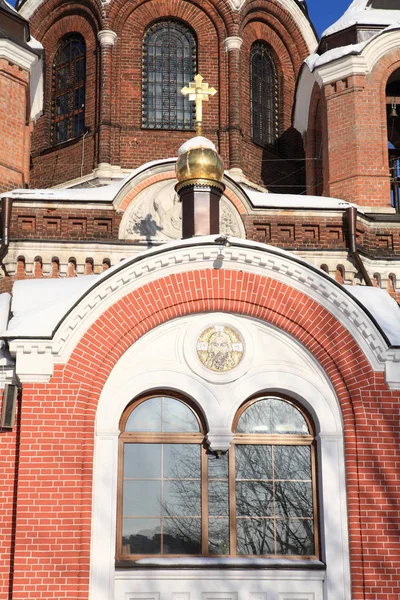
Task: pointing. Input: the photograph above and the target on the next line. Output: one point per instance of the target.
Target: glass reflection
(141, 536)
(162, 414)
(178, 417)
(272, 415)
(141, 498)
(292, 462)
(181, 498)
(181, 461)
(142, 461)
(146, 417)
(182, 536)
(254, 499)
(253, 461)
(218, 498)
(286, 418)
(295, 537)
(218, 536)
(255, 536)
(294, 499)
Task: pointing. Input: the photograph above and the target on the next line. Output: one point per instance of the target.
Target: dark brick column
(232, 46)
(107, 39)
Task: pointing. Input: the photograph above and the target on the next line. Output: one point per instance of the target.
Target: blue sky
(323, 13)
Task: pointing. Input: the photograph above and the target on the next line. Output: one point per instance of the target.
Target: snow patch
(262, 200)
(382, 307)
(197, 142)
(359, 13)
(39, 304)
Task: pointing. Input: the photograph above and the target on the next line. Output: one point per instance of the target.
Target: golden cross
(198, 92)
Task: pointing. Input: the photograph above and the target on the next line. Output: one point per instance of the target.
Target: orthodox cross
(198, 92)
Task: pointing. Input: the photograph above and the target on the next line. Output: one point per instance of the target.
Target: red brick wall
(125, 143)
(52, 165)
(52, 529)
(357, 136)
(14, 129)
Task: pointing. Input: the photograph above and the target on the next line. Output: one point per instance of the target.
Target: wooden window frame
(272, 440)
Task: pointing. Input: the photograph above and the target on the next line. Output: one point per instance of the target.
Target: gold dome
(199, 163)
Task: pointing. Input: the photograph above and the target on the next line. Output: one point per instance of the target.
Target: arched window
(264, 95)
(169, 63)
(177, 498)
(68, 89)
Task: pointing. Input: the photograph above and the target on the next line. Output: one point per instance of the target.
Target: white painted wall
(273, 362)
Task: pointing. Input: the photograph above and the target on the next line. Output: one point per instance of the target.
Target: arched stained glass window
(169, 63)
(264, 95)
(178, 499)
(68, 93)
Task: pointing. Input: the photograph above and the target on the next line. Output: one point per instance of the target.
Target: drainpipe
(6, 206)
(351, 215)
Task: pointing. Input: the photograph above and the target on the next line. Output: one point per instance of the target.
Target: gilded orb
(199, 163)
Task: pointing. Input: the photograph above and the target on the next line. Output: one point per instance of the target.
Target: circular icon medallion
(220, 348)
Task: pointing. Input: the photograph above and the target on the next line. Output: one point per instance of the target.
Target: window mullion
(204, 502)
(232, 500)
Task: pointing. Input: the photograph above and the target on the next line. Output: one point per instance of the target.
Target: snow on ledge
(359, 13)
(268, 200)
(382, 307)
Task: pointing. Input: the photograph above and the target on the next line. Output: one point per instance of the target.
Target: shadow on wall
(283, 164)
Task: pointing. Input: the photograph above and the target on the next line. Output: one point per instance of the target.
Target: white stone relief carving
(156, 215)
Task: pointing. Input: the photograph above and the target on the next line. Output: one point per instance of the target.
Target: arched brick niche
(316, 144)
(59, 416)
(271, 24)
(53, 164)
(132, 144)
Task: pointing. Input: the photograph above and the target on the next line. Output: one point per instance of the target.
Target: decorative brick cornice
(183, 257)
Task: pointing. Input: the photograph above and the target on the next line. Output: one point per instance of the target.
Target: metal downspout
(351, 215)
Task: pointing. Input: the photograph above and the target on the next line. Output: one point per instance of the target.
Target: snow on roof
(382, 307)
(263, 200)
(5, 300)
(359, 13)
(39, 304)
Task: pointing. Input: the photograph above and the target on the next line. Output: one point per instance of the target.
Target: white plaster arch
(155, 361)
(195, 254)
(335, 66)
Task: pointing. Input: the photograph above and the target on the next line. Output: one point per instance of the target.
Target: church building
(199, 287)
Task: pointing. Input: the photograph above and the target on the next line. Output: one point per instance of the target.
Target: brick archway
(242, 293)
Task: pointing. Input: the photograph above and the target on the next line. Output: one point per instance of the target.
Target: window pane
(272, 415)
(69, 88)
(286, 418)
(141, 498)
(294, 499)
(254, 499)
(255, 536)
(253, 461)
(218, 498)
(295, 537)
(256, 418)
(169, 63)
(142, 461)
(181, 461)
(182, 536)
(141, 536)
(218, 466)
(292, 462)
(146, 417)
(218, 536)
(264, 94)
(181, 498)
(162, 414)
(178, 417)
